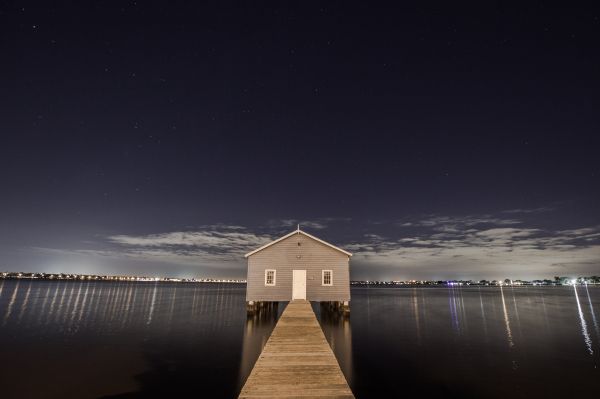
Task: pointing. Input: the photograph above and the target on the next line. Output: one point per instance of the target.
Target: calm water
(470, 342)
(98, 339)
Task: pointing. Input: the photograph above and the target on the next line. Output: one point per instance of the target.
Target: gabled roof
(298, 231)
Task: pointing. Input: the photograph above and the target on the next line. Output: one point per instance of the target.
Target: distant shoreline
(94, 277)
(557, 282)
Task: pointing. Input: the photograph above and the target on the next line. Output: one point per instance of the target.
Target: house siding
(285, 256)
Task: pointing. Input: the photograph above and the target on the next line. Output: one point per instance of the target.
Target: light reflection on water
(100, 339)
(484, 321)
(11, 303)
(415, 301)
(467, 342)
(105, 339)
(509, 337)
(256, 333)
(584, 330)
(587, 291)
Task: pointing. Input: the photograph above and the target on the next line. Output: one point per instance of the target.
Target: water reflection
(509, 337)
(486, 359)
(584, 330)
(74, 310)
(259, 325)
(44, 303)
(337, 328)
(25, 303)
(415, 302)
(85, 301)
(517, 318)
(52, 304)
(153, 301)
(180, 340)
(592, 312)
(142, 339)
(453, 309)
(11, 304)
(483, 320)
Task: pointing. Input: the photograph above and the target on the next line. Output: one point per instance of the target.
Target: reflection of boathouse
(298, 266)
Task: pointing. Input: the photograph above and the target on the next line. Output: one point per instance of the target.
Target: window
(269, 277)
(327, 277)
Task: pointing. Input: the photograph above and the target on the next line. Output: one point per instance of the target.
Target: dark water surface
(489, 342)
(102, 339)
(99, 339)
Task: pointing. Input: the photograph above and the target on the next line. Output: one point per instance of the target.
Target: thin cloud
(216, 242)
(506, 233)
(481, 252)
(458, 223)
(530, 210)
(311, 224)
(212, 244)
(314, 224)
(225, 240)
(472, 246)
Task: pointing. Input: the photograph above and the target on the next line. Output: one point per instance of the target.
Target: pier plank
(297, 361)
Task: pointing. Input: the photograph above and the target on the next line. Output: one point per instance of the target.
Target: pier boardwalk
(297, 361)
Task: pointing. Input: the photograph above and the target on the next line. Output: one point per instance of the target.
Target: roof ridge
(297, 231)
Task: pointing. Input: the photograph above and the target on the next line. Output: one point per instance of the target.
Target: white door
(299, 284)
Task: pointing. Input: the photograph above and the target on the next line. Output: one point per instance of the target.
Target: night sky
(433, 141)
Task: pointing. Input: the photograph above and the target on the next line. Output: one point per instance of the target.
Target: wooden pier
(297, 361)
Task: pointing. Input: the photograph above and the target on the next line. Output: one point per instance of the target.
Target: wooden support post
(254, 308)
(346, 307)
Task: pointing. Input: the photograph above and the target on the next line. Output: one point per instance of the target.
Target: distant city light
(64, 276)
